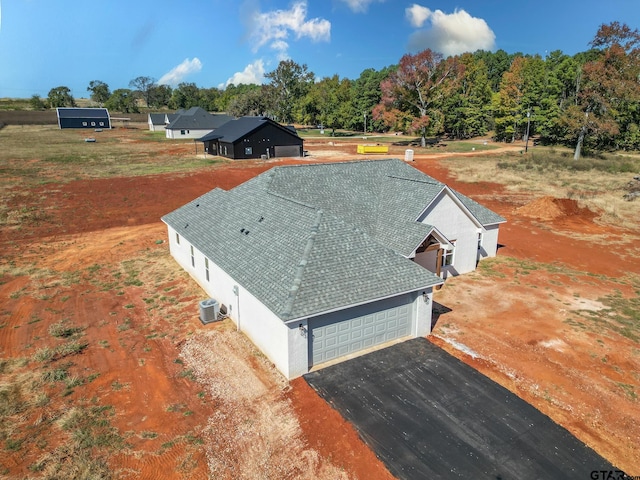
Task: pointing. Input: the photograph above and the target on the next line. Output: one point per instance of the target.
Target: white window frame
(449, 255)
(177, 238)
(193, 258)
(206, 268)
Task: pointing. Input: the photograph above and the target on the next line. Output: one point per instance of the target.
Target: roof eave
(364, 302)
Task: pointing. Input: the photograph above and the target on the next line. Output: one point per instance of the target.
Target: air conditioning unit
(209, 310)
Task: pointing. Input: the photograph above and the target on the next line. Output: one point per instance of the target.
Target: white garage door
(349, 331)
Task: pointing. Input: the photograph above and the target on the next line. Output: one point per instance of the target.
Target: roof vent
(242, 230)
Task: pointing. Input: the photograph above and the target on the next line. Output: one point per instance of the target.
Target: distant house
(318, 262)
(157, 122)
(71, 117)
(253, 137)
(193, 123)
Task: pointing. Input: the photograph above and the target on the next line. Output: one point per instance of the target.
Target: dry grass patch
(254, 432)
(598, 188)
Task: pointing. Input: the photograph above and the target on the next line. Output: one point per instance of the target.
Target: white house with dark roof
(192, 123)
(317, 262)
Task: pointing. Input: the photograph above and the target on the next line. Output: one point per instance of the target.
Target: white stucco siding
(456, 225)
(489, 246)
(177, 134)
(255, 320)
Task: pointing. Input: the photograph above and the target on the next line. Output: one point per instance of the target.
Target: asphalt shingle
(308, 239)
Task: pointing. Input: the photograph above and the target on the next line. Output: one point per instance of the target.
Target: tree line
(589, 101)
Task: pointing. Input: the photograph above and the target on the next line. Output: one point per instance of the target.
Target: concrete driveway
(428, 415)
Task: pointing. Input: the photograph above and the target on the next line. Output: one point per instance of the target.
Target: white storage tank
(408, 155)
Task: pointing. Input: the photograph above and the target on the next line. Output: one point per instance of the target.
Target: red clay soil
(332, 437)
(123, 214)
(552, 241)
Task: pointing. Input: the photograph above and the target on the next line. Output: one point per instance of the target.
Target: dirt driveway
(98, 323)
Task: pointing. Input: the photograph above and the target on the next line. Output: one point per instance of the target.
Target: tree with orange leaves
(607, 86)
(412, 95)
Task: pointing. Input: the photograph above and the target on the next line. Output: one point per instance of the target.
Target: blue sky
(49, 43)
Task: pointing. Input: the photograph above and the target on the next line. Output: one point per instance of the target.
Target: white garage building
(316, 262)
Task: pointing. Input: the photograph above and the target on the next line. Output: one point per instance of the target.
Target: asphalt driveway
(428, 415)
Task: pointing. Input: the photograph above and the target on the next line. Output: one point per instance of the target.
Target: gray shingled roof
(197, 118)
(308, 239)
(157, 118)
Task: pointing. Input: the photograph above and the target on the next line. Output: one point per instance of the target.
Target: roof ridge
(429, 180)
(341, 162)
(297, 280)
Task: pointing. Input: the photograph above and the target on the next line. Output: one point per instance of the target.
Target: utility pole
(526, 144)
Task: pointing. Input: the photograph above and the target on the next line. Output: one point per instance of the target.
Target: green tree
(253, 101)
(412, 95)
(60, 97)
(497, 64)
(210, 99)
(521, 94)
(122, 100)
(185, 95)
(366, 94)
(37, 103)
(99, 91)
(289, 83)
(559, 92)
(160, 96)
(467, 109)
(143, 87)
(329, 102)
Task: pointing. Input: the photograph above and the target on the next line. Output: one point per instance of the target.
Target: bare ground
(187, 401)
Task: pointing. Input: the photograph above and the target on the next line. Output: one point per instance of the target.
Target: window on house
(248, 150)
(177, 238)
(93, 124)
(102, 124)
(479, 240)
(448, 257)
(193, 258)
(206, 268)
(181, 132)
(84, 124)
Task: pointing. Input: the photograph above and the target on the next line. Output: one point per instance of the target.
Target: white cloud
(177, 74)
(360, 6)
(417, 15)
(275, 28)
(253, 73)
(450, 34)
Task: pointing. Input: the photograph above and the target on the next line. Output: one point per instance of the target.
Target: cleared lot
(428, 415)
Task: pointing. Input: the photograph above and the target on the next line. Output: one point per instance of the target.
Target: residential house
(316, 262)
(193, 123)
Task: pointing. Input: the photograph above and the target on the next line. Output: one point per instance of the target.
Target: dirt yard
(106, 370)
